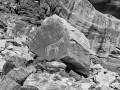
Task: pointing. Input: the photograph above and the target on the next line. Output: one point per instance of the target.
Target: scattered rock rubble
(71, 47)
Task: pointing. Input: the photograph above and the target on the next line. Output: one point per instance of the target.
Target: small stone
(56, 64)
(29, 87)
(51, 86)
(103, 76)
(107, 88)
(2, 44)
(63, 73)
(52, 70)
(115, 85)
(85, 86)
(75, 75)
(30, 69)
(18, 61)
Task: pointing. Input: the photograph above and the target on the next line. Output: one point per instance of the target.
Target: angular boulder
(101, 30)
(56, 38)
(101, 33)
(9, 84)
(29, 87)
(8, 66)
(75, 65)
(110, 63)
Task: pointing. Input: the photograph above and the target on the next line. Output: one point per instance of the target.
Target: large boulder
(101, 30)
(56, 38)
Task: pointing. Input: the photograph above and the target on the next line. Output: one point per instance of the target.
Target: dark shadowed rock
(7, 67)
(14, 62)
(76, 66)
(20, 74)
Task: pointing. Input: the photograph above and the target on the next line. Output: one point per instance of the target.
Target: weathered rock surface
(98, 1)
(46, 81)
(101, 30)
(73, 64)
(76, 32)
(100, 33)
(28, 87)
(76, 76)
(7, 67)
(56, 38)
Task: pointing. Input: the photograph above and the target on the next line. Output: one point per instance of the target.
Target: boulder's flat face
(50, 40)
(57, 38)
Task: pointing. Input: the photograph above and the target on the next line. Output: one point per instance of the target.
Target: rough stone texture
(101, 34)
(73, 64)
(77, 31)
(28, 87)
(7, 67)
(11, 84)
(46, 81)
(56, 65)
(112, 64)
(101, 30)
(56, 38)
(75, 75)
